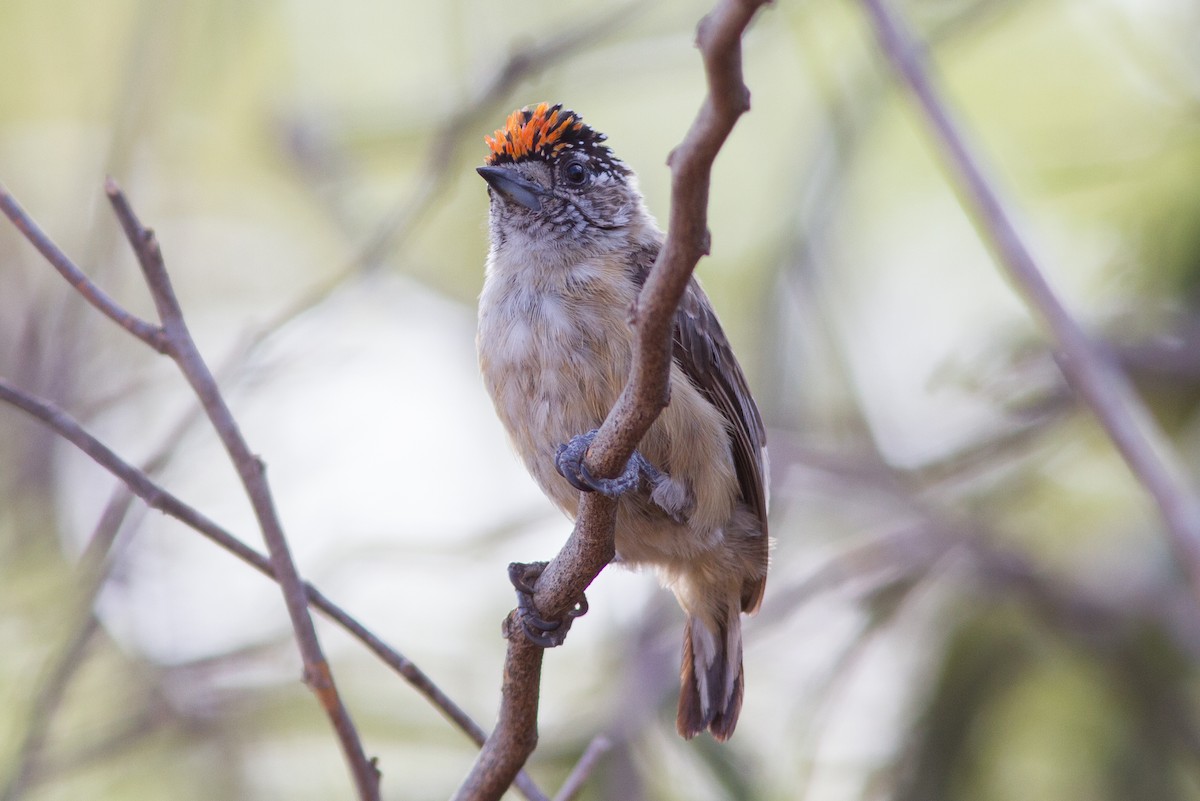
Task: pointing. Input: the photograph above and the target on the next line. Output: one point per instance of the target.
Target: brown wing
(703, 353)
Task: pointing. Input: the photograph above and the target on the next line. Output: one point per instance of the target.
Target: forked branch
(172, 338)
(156, 497)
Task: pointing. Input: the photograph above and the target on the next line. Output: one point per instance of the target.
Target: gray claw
(568, 460)
(540, 632)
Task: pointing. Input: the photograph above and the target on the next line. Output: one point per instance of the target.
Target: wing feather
(703, 353)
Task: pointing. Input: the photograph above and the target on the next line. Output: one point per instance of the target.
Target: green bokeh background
(971, 596)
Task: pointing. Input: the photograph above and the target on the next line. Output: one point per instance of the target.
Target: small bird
(571, 246)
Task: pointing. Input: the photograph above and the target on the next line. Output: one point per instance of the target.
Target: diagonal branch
(1091, 372)
(149, 333)
(252, 472)
(173, 339)
(156, 497)
(590, 546)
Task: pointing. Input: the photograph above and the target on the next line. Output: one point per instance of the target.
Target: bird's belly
(555, 371)
(551, 377)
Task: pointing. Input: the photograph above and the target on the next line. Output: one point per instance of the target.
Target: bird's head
(554, 184)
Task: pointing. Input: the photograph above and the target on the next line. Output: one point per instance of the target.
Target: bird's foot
(568, 459)
(673, 497)
(539, 631)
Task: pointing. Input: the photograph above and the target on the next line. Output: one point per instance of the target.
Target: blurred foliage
(971, 597)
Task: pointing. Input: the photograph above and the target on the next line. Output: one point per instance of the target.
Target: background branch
(447, 141)
(174, 339)
(252, 472)
(149, 333)
(1101, 385)
(590, 546)
(156, 497)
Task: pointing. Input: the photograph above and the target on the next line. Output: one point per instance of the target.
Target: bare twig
(598, 747)
(252, 472)
(590, 546)
(158, 498)
(173, 339)
(1100, 384)
(177, 343)
(438, 172)
(151, 334)
(719, 39)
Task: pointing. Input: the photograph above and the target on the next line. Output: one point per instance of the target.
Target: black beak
(513, 187)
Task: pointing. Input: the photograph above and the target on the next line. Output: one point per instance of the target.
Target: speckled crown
(545, 132)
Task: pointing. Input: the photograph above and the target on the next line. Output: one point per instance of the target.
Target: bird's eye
(576, 173)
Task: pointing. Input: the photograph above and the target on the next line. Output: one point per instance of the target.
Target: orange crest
(544, 131)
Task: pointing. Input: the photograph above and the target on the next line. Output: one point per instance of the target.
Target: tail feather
(710, 678)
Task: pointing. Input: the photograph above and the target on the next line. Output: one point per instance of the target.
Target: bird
(571, 246)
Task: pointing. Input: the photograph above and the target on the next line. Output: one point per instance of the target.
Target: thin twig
(590, 546)
(139, 483)
(156, 497)
(149, 333)
(1091, 372)
(174, 339)
(252, 472)
(577, 778)
(719, 39)
(439, 172)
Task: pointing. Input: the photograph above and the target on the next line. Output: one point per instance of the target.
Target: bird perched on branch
(571, 246)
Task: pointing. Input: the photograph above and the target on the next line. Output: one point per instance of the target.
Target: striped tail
(711, 684)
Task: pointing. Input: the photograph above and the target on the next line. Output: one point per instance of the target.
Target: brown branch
(174, 339)
(438, 173)
(1091, 372)
(590, 546)
(178, 344)
(719, 39)
(156, 497)
(252, 472)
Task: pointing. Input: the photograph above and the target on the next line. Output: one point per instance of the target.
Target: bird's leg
(541, 632)
(672, 497)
